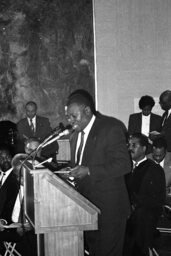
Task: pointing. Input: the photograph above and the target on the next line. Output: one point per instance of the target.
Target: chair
(10, 249)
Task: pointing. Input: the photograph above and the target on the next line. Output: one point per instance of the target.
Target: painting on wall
(46, 52)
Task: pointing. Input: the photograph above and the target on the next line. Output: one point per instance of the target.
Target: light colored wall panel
(133, 52)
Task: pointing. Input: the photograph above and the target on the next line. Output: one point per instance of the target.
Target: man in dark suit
(165, 103)
(98, 168)
(146, 185)
(161, 156)
(35, 126)
(9, 186)
(145, 121)
(17, 230)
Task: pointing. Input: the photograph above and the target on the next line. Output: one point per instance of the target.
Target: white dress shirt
(7, 173)
(33, 121)
(145, 126)
(17, 205)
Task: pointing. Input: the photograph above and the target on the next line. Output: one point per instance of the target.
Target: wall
(133, 52)
(46, 52)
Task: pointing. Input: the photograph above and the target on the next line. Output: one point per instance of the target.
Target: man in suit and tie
(165, 103)
(146, 185)
(8, 185)
(36, 126)
(161, 156)
(18, 230)
(99, 161)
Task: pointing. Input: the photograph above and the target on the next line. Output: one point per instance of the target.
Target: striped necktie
(2, 177)
(165, 116)
(80, 147)
(31, 125)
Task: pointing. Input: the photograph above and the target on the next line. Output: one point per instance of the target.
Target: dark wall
(46, 52)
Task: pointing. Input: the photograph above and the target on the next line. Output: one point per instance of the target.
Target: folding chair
(10, 249)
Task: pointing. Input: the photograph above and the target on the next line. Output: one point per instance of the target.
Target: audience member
(161, 156)
(165, 103)
(8, 185)
(99, 169)
(31, 145)
(147, 188)
(145, 121)
(19, 230)
(37, 126)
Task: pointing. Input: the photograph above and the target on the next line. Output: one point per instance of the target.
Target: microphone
(65, 132)
(55, 131)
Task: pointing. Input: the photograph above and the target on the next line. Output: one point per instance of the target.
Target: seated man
(161, 156)
(30, 145)
(8, 184)
(37, 126)
(19, 230)
(146, 185)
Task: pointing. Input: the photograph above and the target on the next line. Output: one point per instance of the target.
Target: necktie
(31, 125)
(80, 147)
(2, 177)
(165, 116)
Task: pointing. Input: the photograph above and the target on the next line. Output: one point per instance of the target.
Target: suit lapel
(90, 144)
(139, 117)
(151, 122)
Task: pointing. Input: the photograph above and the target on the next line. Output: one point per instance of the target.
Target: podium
(56, 210)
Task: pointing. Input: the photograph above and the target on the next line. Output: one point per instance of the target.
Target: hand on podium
(78, 172)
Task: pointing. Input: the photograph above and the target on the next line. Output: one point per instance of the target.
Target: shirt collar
(146, 117)
(161, 163)
(169, 112)
(90, 124)
(33, 119)
(139, 162)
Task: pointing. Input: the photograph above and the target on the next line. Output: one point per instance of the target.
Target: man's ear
(87, 110)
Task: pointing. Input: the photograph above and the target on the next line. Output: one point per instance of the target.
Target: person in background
(161, 156)
(19, 229)
(31, 145)
(165, 103)
(145, 121)
(99, 162)
(8, 185)
(147, 189)
(36, 126)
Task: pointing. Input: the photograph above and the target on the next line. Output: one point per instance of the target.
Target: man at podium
(99, 162)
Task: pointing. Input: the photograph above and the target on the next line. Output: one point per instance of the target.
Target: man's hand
(79, 172)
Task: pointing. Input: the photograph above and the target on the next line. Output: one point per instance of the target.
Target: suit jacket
(135, 122)
(8, 195)
(166, 131)
(147, 190)
(107, 157)
(43, 129)
(166, 167)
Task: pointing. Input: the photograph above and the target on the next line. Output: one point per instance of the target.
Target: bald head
(165, 100)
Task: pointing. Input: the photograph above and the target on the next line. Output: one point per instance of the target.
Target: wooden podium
(58, 211)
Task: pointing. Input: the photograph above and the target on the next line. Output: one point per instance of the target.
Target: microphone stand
(48, 141)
